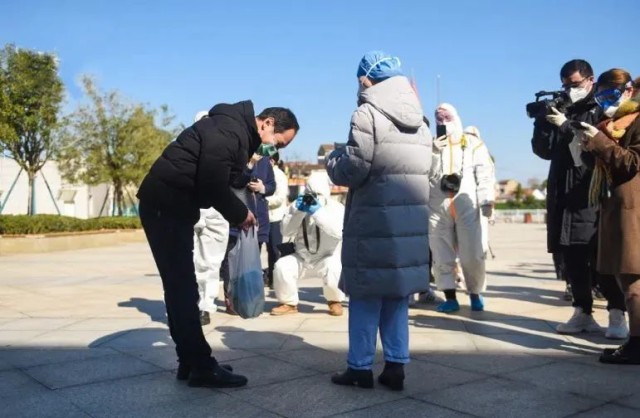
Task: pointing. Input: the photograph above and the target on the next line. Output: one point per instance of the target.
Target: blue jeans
(366, 316)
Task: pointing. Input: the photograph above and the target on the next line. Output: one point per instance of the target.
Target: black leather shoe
(392, 376)
(218, 377)
(184, 370)
(351, 377)
(621, 355)
(204, 318)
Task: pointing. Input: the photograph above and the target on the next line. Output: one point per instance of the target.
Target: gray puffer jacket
(385, 250)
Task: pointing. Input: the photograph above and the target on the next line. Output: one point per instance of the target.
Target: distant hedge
(538, 204)
(44, 224)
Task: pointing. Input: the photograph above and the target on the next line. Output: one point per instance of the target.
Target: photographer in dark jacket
(195, 171)
(571, 221)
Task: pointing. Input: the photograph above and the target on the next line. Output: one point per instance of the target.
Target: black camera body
(451, 183)
(309, 198)
(540, 108)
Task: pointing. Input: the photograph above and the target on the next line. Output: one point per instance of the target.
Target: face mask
(266, 150)
(453, 130)
(578, 93)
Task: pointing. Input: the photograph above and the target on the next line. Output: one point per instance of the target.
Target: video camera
(540, 108)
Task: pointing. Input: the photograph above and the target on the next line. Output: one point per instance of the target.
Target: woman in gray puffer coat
(385, 251)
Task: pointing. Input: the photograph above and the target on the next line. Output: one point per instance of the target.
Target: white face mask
(453, 130)
(578, 93)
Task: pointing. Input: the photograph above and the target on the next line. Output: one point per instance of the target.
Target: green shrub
(44, 224)
(535, 204)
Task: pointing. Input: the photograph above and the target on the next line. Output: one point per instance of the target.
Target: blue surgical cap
(378, 65)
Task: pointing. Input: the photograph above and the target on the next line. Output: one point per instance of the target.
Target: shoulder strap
(305, 223)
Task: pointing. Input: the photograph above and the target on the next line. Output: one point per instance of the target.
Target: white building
(81, 201)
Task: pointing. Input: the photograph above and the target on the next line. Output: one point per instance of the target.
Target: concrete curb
(29, 244)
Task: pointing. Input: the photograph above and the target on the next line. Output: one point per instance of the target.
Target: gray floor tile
(632, 401)
(486, 363)
(313, 396)
(265, 370)
(324, 361)
(56, 376)
(15, 383)
(42, 405)
(403, 408)
(29, 357)
(422, 376)
(117, 397)
(609, 410)
(570, 377)
(503, 398)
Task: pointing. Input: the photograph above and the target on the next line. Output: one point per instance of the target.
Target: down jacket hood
(397, 100)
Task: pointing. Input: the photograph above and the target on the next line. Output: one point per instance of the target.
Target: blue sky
(492, 56)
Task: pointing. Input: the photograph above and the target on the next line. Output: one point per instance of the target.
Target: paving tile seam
(55, 363)
(459, 368)
(114, 379)
(618, 401)
(582, 411)
(443, 406)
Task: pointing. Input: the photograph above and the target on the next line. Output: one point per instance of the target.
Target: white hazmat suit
(209, 246)
(319, 256)
(455, 225)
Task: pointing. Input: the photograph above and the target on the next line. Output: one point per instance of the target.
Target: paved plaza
(83, 334)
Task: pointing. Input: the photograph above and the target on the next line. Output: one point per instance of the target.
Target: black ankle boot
(392, 376)
(218, 377)
(184, 370)
(351, 377)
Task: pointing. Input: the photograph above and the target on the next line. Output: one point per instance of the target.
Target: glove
(313, 208)
(300, 204)
(487, 211)
(440, 143)
(556, 117)
(589, 131)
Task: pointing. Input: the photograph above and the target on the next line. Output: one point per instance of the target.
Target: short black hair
(284, 118)
(581, 66)
(276, 157)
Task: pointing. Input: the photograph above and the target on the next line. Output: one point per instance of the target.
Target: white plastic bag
(246, 286)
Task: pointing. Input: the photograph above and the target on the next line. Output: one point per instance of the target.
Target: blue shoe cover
(477, 303)
(449, 306)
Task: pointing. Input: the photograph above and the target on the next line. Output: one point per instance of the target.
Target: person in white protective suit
(211, 233)
(314, 226)
(210, 244)
(462, 192)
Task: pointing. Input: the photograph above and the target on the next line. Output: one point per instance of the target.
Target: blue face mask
(267, 150)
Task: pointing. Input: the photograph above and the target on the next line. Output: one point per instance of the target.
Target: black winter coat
(570, 219)
(196, 170)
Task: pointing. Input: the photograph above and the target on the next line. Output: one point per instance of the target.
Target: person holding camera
(312, 230)
(195, 172)
(462, 192)
(572, 223)
(385, 254)
(615, 144)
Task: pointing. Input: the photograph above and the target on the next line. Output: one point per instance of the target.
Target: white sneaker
(618, 328)
(579, 322)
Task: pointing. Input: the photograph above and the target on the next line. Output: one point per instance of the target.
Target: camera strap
(463, 146)
(305, 224)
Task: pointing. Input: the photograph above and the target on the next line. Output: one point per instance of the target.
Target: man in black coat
(195, 171)
(571, 221)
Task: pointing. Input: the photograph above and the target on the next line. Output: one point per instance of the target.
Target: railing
(537, 216)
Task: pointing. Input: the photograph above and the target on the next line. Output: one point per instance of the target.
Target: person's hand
(257, 187)
(556, 118)
(254, 160)
(249, 222)
(589, 130)
(440, 143)
(300, 205)
(487, 210)
(313, 208)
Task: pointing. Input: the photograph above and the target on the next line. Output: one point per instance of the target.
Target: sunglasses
(609, 97)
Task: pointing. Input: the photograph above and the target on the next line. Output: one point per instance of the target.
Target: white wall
(85, 204)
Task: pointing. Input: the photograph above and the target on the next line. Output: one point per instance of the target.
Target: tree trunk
(118, 197)
(31, 202)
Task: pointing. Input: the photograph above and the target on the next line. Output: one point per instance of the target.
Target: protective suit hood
(455, 124)
(319, 183)
(396, 99)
